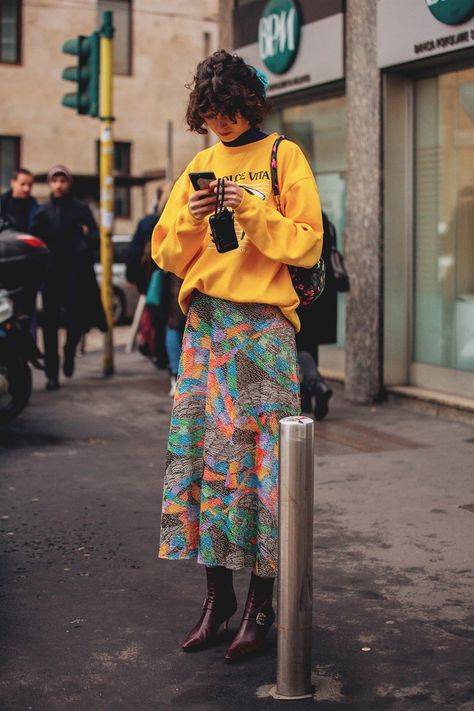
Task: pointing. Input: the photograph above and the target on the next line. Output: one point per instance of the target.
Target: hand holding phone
(202, 202)
(202, 179)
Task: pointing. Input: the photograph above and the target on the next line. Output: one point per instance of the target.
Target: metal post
(106, 183)
(295, 578)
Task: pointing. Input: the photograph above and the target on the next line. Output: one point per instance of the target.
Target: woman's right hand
(201, 204)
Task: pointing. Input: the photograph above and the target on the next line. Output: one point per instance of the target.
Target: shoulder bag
(308, 283)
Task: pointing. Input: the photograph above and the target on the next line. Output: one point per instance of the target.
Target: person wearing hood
(70, 292)
(17, 206)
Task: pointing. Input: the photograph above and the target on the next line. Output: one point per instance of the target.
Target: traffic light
(85, 100)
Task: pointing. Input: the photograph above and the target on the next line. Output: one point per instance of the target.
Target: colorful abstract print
(237, 379)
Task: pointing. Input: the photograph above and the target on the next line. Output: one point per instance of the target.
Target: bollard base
(273, 693)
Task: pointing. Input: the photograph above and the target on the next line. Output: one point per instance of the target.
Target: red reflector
(32, 241)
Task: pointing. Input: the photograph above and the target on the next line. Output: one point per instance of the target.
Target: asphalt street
(91, 620)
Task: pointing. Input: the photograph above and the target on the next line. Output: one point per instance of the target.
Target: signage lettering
(288, 83)
(278, 35)
(442, 42)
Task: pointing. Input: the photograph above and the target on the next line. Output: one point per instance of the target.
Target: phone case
(223, 231)
(201, 176)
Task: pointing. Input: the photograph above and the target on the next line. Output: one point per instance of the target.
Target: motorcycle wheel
(15, 389)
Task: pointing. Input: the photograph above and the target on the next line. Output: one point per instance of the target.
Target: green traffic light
(86, 74)
(76, 74)
(74, 101)
(73, 46)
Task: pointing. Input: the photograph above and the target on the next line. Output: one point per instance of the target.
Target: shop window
(10, 31)
(122, 19)
(122, 201)
(319, 128)
(9, 159)
(122, 154)
(443, 333)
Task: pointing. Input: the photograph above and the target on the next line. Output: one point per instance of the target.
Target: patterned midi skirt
(237, 379)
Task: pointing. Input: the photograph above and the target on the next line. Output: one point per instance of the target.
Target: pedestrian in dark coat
(70, 291)
(318, 327)
(140, 266)
(17, 209)
(17, 206)
(139, 261)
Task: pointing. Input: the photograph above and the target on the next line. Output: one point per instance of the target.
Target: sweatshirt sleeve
(178, 237)
(294, 236)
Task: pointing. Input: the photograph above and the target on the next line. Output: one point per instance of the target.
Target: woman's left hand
(233, 193)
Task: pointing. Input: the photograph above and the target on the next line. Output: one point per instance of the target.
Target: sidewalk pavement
(92, 621)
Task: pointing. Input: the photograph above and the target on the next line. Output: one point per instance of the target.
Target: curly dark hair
(225, 84)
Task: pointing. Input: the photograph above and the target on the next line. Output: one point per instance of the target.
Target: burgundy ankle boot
(257, 619)
(219, 606)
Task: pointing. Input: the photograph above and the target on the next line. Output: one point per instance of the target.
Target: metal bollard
(295, 578)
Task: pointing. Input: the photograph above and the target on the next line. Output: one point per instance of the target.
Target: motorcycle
(23, 264)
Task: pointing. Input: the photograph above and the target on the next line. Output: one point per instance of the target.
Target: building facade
(157, 45)
(380, 95)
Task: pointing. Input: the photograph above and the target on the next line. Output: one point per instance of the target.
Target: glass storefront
(319, 128)
(443, 322)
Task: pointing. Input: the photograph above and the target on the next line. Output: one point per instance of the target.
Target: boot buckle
(261, 618)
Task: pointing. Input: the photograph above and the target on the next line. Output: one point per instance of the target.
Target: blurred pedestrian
(17, 209)
(140, 271)
(139, 264)
(17, 206)
(175, 323)
(318, 327)
(70, 292)
(152, 329)
(238, 369)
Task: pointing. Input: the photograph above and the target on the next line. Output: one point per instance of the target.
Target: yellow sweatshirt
(256, 272)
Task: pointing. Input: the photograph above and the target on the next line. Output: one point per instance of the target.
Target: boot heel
(257, 619)
(219, 606)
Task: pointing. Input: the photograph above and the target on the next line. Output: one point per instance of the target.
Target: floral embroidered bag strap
(308, 283)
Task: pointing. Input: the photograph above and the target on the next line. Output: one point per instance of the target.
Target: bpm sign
(451, 12)
(279, 35)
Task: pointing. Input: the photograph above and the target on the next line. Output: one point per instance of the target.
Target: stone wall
(226, 34)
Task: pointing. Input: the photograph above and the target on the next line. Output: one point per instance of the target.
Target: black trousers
(51, 324)
(307, 365)
(160, 353)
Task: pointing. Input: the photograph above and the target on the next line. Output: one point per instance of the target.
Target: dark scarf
(250, 136)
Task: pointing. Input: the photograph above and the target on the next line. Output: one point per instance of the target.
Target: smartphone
(201, 181)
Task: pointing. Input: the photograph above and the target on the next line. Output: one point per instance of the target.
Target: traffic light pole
(106, 184)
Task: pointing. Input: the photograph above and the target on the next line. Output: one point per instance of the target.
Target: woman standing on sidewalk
(238, 370)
